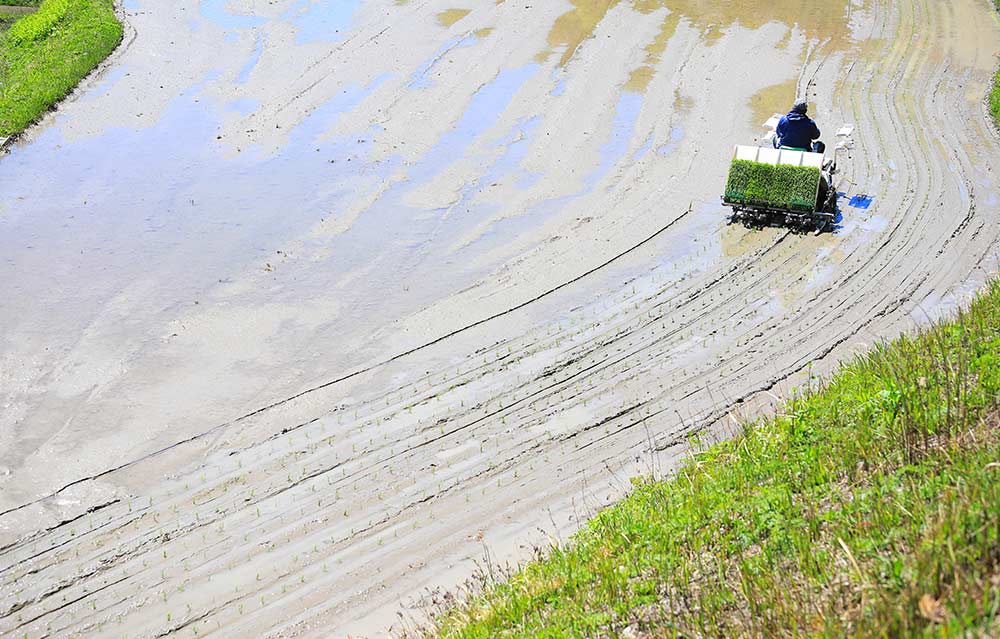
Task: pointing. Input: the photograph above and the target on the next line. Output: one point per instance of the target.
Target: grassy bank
(995, 99)
(44, 55)
(995, 94)
(871, 508)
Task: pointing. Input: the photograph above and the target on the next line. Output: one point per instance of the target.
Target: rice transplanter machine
(760, 200)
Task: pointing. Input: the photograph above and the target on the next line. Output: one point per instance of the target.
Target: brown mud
(320, 304)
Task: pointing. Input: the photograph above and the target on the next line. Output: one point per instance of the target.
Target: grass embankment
(995, 94)
(44, 55)
(871, 508)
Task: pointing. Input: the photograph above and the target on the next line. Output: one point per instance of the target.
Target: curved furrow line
(276, 531)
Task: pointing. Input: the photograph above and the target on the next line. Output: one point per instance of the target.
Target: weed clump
(782, 186)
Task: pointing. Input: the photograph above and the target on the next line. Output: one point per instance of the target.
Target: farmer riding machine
(784, 186)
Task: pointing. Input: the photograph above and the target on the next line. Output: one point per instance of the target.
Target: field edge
(994, 96)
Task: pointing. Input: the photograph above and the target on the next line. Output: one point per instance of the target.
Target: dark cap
(800, 106)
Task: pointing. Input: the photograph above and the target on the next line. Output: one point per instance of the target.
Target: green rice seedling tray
(783, 186)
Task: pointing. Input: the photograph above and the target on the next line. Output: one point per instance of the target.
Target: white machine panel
(746, 153)
(812, 159)
(790, 157)
(766, 155)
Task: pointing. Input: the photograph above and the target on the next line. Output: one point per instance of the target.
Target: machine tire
(823, 194)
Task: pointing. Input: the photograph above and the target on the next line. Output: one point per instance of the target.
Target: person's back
(796, 129)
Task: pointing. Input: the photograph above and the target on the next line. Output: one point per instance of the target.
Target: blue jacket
(798, 130)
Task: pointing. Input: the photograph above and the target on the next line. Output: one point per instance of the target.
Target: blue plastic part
(861, 201)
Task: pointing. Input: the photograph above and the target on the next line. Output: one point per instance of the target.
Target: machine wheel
(823, 195)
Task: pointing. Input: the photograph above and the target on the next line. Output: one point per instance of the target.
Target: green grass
(783, 186)
(995, 98)
(45, 54)
(995, 93)
(35, 27)
(870, 508)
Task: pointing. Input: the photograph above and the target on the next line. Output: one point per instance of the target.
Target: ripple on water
(251, 64)
(321, 21)
(823, 21)
(215, 11)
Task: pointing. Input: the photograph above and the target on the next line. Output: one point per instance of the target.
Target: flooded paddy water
(302, 302)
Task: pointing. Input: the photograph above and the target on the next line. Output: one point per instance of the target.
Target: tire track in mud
(330, 521)
(359, 372)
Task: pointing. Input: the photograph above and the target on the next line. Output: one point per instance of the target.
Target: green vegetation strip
(995, 94)
(44, 55)
(782, 186)
(868, 509)
(995, 99)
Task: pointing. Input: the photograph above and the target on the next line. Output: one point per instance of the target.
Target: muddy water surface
(212, 256)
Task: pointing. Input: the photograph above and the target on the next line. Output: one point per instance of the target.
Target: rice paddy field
(311, 312)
